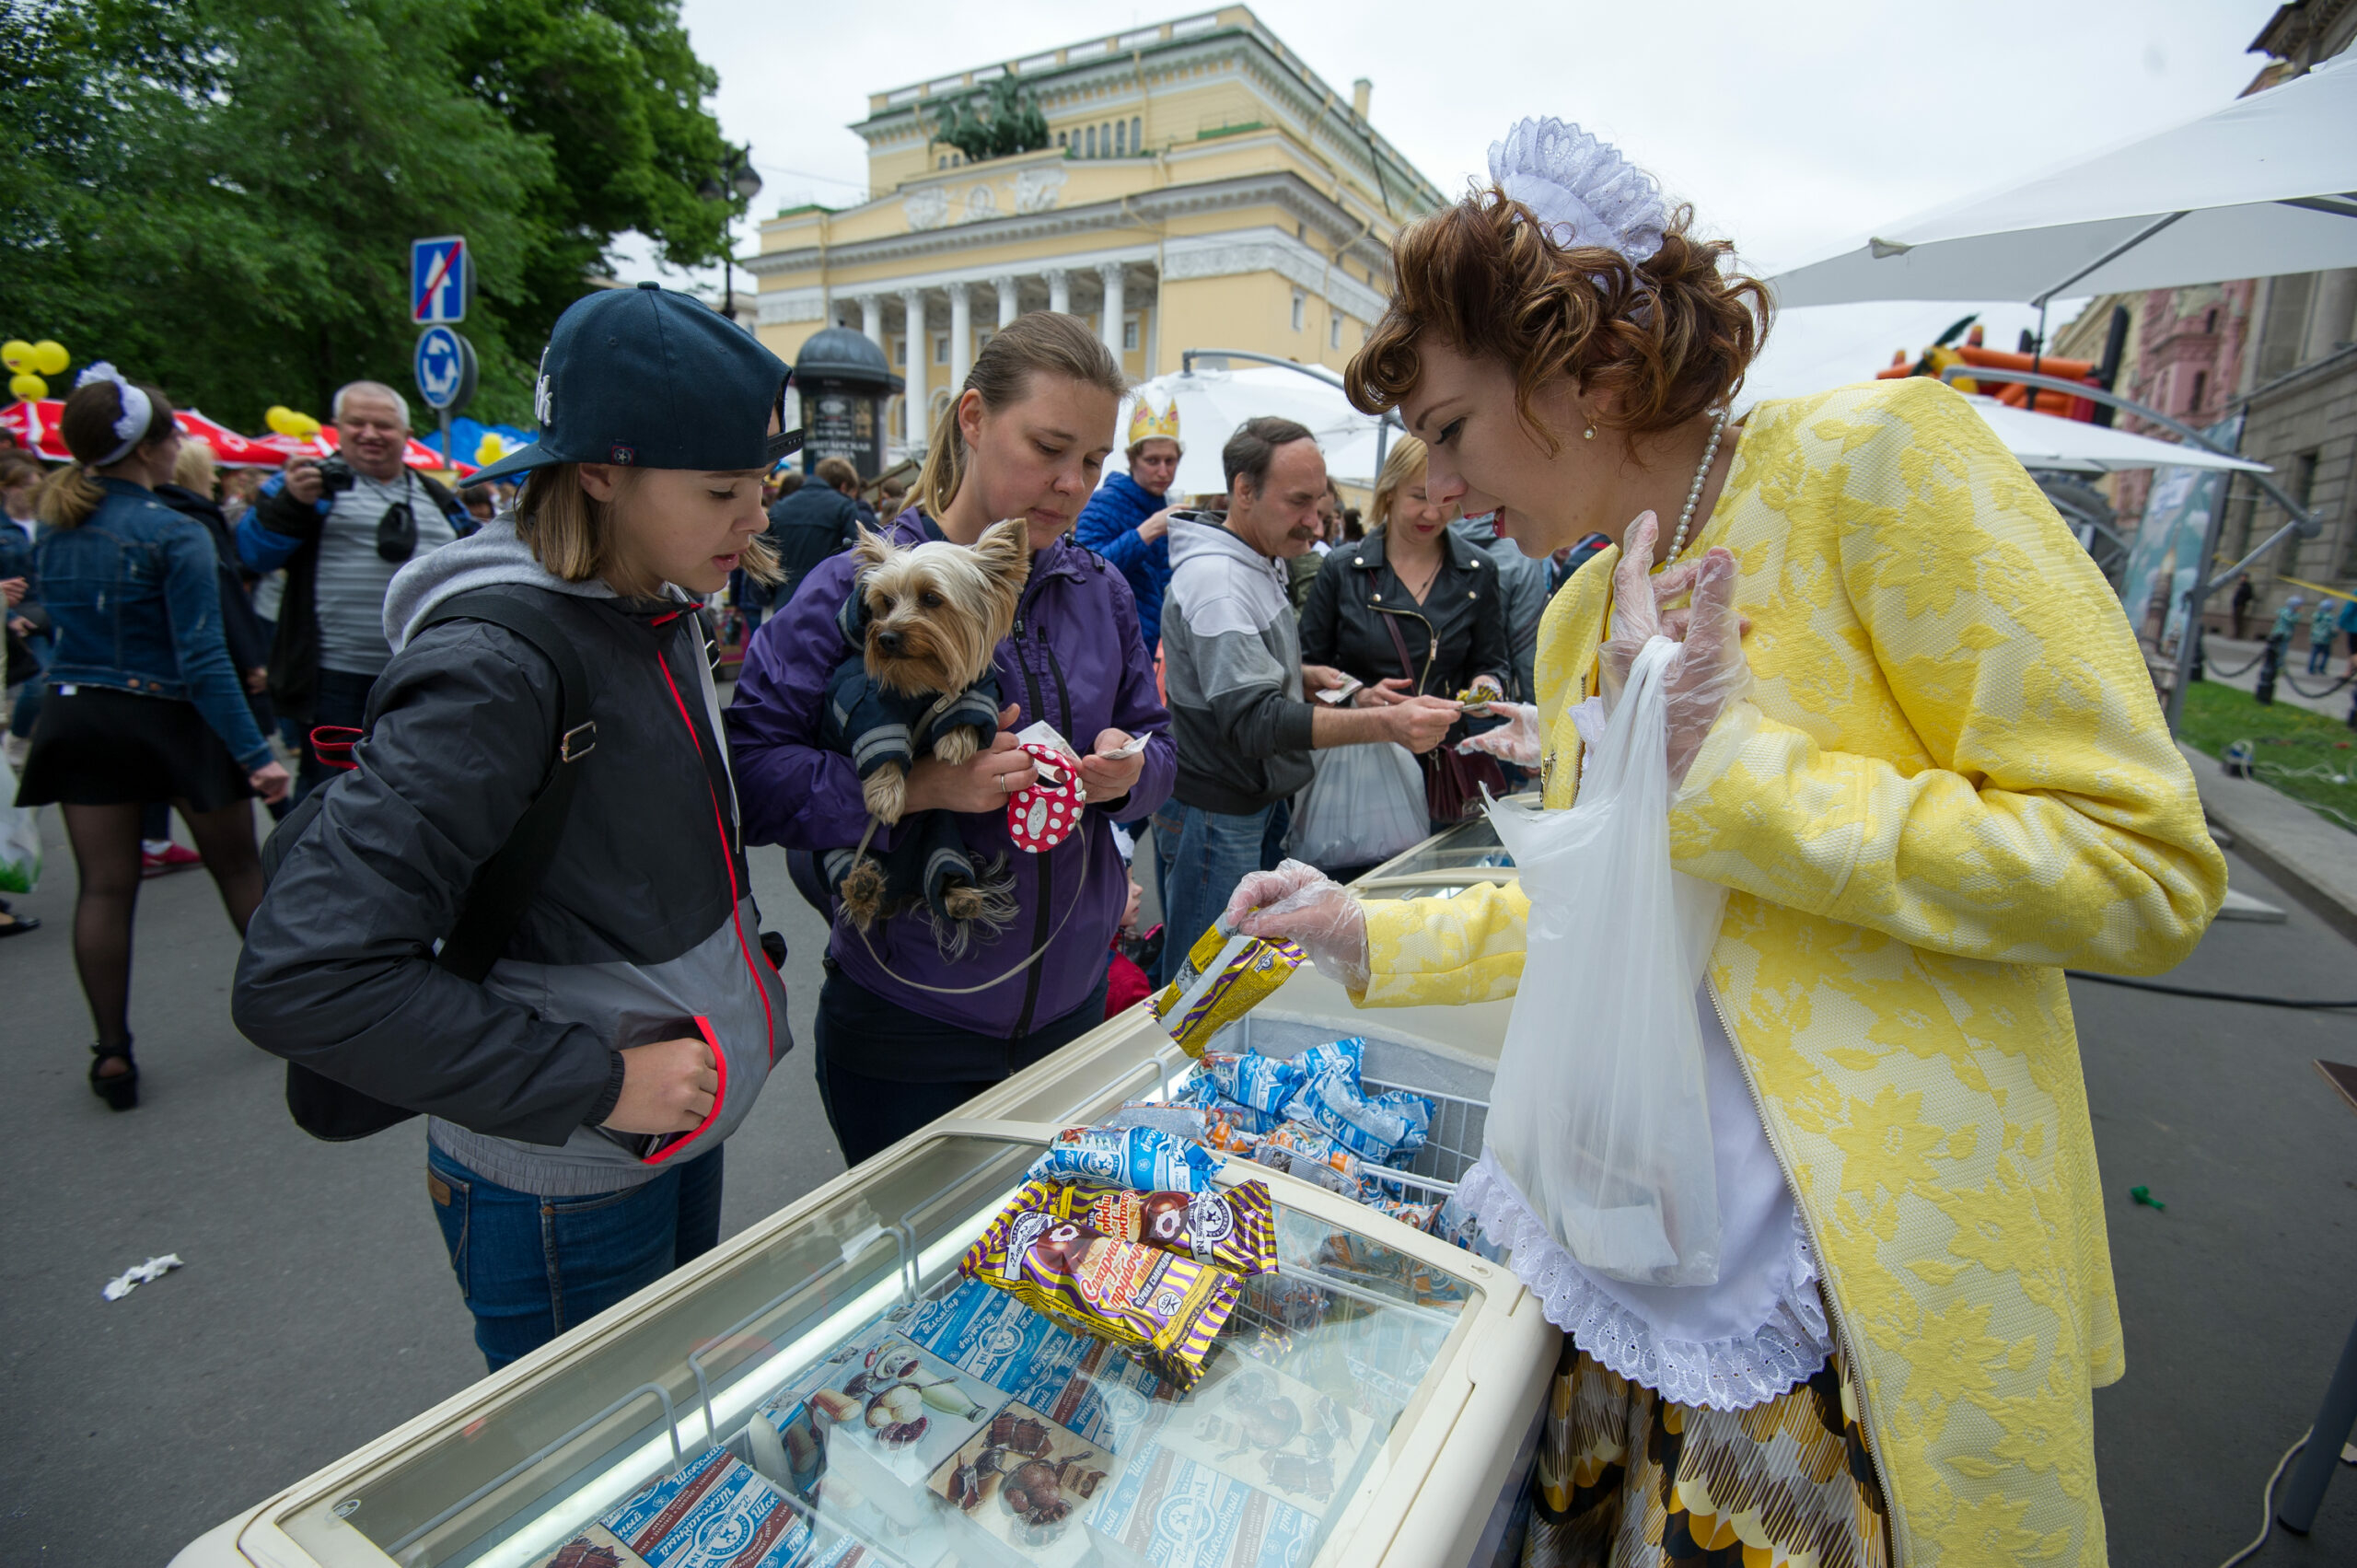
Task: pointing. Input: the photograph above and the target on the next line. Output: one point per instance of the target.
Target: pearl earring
(1591, 433)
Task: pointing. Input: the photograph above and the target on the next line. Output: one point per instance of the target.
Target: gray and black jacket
(1231, 665)
(644, 928)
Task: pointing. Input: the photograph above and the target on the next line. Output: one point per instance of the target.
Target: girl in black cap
(578, 1092)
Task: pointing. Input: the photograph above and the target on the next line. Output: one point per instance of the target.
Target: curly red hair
(1666, 339)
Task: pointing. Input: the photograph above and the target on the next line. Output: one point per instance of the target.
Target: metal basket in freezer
(1456, 1089)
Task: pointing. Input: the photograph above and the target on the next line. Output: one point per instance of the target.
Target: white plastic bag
(1366, 804)
(20, 837)
(1598, 1116)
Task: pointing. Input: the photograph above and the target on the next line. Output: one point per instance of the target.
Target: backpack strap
(505, 884)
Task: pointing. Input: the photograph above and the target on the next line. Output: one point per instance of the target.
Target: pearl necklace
(1694, 491)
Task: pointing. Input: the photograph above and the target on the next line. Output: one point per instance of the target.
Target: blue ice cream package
(1340, 1055)
(1179, 1120)
(1372, 1127)
(1139, 1157)
(1253, 1081)
(714, 1512)
(1197, 1089)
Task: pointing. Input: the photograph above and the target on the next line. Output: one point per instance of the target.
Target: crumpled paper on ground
(130, 1279)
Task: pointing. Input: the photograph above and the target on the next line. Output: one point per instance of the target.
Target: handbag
(1453, 781)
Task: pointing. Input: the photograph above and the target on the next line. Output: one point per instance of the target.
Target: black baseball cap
(653, 379)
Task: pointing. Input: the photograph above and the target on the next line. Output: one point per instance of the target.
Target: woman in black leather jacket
(1412, 610)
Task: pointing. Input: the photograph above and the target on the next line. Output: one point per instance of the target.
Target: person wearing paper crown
(1127, 521)
(1910, 733)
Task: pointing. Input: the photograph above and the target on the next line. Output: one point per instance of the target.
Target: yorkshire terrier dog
(925, 620)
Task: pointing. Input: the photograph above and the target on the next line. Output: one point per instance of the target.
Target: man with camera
(342, 526)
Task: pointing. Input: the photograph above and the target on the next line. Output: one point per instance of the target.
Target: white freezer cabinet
(824, 1389)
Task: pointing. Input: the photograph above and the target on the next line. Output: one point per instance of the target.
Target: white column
(912, 410)
(871, 318)
(961, 336)
(1006, 305)
(1112, 273)
(1059, 291)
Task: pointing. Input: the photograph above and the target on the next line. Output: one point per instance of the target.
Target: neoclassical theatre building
(1202, 187)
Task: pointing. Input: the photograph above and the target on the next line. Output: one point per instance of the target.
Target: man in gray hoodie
(1232, 668)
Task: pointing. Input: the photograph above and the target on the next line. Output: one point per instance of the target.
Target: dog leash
(969, 990)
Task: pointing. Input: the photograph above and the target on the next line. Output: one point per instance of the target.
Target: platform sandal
(120, 1090)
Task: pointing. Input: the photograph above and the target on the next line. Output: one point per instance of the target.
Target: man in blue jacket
(1126, 521)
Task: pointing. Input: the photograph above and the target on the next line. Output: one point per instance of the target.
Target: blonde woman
(1916, 744)
(1414, 610)
(905, 1034)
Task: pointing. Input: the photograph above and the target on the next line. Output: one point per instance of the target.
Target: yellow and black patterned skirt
(1626, 1479)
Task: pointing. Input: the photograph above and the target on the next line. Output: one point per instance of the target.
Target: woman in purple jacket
(904, 1035)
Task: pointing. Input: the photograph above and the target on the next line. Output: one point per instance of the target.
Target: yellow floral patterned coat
(1950, 781)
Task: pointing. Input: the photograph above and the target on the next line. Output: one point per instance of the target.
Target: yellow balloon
(31, 387)
(281, 419)
(16, 354)
(491, 448)
(305, 426)
(50, 357)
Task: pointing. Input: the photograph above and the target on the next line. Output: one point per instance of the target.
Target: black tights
(106, 858)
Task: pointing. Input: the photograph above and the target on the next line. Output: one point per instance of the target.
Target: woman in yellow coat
(1944, 779)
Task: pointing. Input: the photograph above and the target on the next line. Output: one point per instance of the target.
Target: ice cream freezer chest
(825, 1388)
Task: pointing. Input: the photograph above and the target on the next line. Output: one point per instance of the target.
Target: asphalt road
(316, 1310)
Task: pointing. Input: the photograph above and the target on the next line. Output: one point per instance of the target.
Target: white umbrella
(1212, 403)
(2044, 441)
(2266, 185)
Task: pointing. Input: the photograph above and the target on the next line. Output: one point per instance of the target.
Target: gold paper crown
(1147, 425)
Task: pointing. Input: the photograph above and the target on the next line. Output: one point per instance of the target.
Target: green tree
(613, 91)
(219, 194)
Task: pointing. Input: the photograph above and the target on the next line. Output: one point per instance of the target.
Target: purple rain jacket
(1076, 659)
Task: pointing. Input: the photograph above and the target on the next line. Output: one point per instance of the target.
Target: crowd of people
(511, 894)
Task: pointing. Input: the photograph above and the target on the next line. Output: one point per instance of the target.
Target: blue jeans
(1200, 856)
(530, 1268)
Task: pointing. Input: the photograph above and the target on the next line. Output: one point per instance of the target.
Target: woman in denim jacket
(143, 704)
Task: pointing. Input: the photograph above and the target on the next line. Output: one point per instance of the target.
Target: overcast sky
(1795, 127)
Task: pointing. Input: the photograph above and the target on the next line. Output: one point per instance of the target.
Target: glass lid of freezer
(1469, 847)
(839, 1394)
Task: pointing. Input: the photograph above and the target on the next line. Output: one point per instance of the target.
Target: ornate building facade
(1203, 189)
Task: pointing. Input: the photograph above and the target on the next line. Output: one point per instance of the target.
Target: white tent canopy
(2043, 441)
(1212, 403)
(2266, 185)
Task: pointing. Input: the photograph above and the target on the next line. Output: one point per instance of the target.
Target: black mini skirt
(97, 746)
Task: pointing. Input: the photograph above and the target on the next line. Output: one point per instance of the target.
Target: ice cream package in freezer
(1168, 1305)
(1093, 1387)
(1189, 1122)
(1024, 1484)
(1141, 1157)
(1176, 1512)
(1224, 977)
(1373, 1127)
(1233, 1227)
(882, 1414)
(714, 1512)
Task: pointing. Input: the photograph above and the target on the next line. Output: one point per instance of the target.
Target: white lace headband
(1582, 190)
(136, 410)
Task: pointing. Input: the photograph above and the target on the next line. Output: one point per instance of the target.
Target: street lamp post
(735, 172)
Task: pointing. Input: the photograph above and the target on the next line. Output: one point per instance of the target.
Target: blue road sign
(444, 367)
(437, 279)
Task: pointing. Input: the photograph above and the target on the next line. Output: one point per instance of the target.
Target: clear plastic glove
(1300, 903)
(1516, 741)
(1710, 673)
